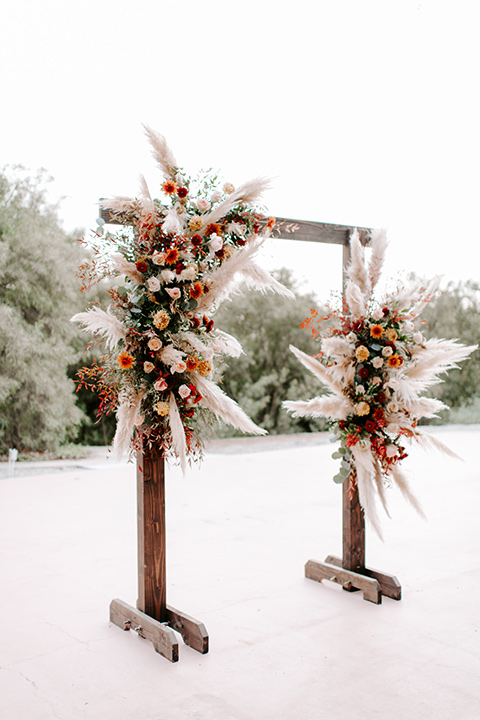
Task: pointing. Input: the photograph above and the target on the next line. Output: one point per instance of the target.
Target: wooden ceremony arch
(154, 618)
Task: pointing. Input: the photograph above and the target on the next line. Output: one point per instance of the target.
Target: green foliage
(37, 297)
(456, 314)
(268, 373)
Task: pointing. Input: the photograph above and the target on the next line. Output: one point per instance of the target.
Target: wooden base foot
(161, 635)
(348, 579)
(193, 632)
(389, 584)
(372, 583)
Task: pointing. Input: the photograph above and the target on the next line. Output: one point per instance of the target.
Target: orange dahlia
(171, 256)
(192, 362)
(376, 331)
(125, 361)
(196, 290)
(169, 186)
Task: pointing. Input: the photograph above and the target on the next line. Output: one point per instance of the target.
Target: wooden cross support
(153, 618)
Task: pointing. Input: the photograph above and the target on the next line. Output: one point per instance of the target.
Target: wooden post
(153, 618)
(152, 595)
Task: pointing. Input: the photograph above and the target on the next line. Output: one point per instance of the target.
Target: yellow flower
(362, 408)
(195, 222)
(204, 368)
(391, 334)
(161, 319)
(362, 353)
(125, 361)
(162, 408)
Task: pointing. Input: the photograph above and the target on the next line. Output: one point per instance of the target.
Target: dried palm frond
(161, 152)
(98, 321)
(179, 441)
(224, 407)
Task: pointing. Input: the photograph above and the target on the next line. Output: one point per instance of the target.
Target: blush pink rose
(155, 344)
(178, 366)
(202, 204)
(184, 391)
(174, 293)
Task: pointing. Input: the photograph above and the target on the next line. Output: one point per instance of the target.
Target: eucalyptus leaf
(338, 479)
(336, 455)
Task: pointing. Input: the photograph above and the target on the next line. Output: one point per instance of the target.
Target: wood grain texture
(388, 583)
(353, 536)
(151, 534)
(162, 637)
(306, 230)
(193, 632)
(346, 578)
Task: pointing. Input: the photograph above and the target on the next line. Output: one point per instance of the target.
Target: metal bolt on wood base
(153, 619)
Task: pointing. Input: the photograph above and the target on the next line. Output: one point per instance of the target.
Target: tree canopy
(268, 373)
(38, 294)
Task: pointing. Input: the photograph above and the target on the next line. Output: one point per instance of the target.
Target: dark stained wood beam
(288, 229)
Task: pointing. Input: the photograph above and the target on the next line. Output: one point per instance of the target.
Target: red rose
(182, 192)
(141, 266)
(369, 426)
(363, 372)
(196, 240)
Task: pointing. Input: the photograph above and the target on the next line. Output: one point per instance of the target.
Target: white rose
(393, 383)
(158, 258)
(202, 204)
(391, 451)
(216, 242)
(216, 196)
(418, 337)
(392, 406)
(351, 337)
(376, 381)
(387, 351)
(377, 362)
(377, 314)
(184, 391)
(153, 284)
(409, 326)
(360, 390)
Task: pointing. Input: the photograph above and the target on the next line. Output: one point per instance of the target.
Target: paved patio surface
(240, 529)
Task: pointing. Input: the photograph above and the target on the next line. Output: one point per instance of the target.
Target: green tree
(456, 314)
(268, 373)
(38, 294)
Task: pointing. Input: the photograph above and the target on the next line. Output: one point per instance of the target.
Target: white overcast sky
(363, 112)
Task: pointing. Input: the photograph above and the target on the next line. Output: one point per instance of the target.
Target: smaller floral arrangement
(376, 363)
(174, 261)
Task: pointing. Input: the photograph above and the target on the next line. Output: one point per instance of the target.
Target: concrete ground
(240, 529)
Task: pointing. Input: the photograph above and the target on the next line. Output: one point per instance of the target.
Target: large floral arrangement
(376, 362)
(172, 264)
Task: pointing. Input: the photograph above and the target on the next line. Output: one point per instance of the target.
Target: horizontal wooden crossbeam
(287, 229)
